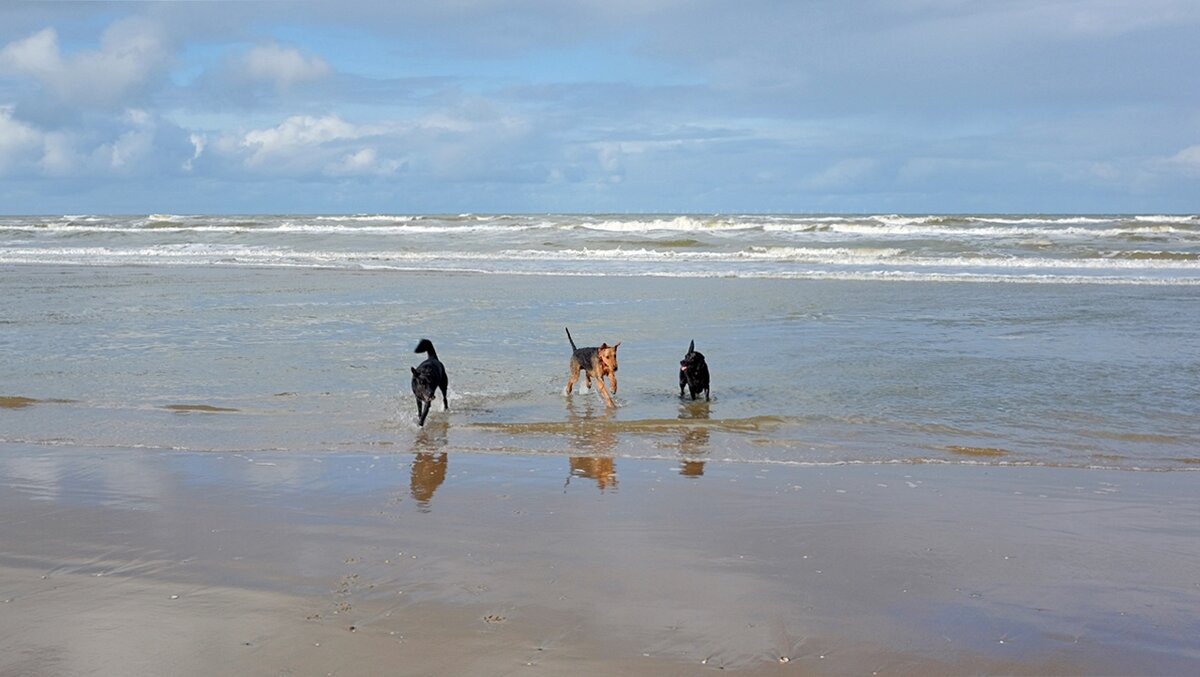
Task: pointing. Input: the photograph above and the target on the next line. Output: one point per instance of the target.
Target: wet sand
(117, 562)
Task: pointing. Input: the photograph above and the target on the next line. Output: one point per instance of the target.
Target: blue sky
(600, 106)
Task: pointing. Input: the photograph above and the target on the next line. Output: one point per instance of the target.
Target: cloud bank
(669, 105)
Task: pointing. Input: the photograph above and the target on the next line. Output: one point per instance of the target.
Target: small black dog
(693, 373)
(428, 377)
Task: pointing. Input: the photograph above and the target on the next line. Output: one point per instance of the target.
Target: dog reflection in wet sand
(595, 363)
(593, 434)
(427, 474)
(602, 469)
(693, 439)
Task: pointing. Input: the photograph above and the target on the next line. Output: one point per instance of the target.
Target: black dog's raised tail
(570, 339)
(426, 346)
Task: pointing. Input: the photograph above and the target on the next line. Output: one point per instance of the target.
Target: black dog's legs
(423, 411)
(445, 403)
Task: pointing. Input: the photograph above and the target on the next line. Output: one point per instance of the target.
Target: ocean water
(1061, 340)
(1159, 249)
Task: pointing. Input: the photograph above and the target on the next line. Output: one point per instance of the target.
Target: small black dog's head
(693, 373)
(692, 359)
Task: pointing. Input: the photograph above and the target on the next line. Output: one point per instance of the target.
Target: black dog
(427, 377)
(693, 373)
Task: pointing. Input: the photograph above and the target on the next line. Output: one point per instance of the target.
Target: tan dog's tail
(570, 339)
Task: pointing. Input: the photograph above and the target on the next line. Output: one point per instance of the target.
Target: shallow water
(812, 371)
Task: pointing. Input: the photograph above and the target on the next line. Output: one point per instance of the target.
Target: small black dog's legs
(445, 403)
(423, 411)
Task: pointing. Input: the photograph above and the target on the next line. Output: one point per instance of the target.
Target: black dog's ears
(414, 370)
(692, 347)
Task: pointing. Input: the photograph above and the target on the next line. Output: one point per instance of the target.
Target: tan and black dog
(595, 362)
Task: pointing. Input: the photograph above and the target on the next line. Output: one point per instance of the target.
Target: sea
(1006, 339)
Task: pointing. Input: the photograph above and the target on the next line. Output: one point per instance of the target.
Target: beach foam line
(670, 264)
(261, 228)
(229, 253)
(926, 230)
(204, 253)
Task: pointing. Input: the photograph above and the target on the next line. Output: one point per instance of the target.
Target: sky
(662, 106)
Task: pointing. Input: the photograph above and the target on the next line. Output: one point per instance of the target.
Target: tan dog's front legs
(612, 375)
(604, 390)
(572, 378)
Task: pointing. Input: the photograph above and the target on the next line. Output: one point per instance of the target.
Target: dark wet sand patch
(18, 402)
(203, 408)
(14, 402)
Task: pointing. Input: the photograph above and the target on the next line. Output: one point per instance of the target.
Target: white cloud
(18, 141)
(297, 134)
(1188, 156)
(304, 144)
(36, 55)
(364, 162)
(137, 143)
(59, 157)
(198, 141)
(132, 55)
(283, 66)
(127, 150)
(1186, 161)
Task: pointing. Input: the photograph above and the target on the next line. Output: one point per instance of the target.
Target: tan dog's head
(608, 356)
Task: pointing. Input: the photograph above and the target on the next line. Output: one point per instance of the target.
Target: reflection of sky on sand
(117, 481)
(40, 478)
(814, 564)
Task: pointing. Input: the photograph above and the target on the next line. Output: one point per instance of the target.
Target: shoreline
(116, 561)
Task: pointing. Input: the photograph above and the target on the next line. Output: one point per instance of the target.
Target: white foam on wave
(935, 231)
(679, 223)
(1170, 218)
(822, 228)
(488, 264)
(355, 218)
(397, 229)
(829, 256)
(766, 262)
(1048, 220)
(281, 228)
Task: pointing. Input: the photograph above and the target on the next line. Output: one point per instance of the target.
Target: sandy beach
(116, 562)
(211, 470)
